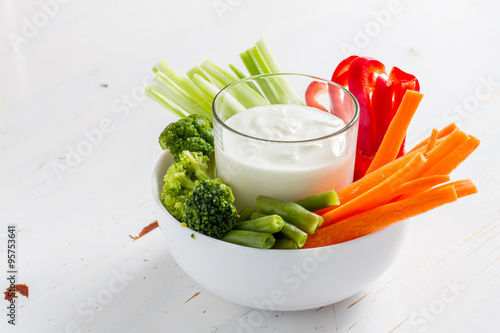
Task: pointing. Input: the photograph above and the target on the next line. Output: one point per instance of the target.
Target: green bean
(261, 240)
(294, 233)
(245, 214)
(290, 212)
(289, 230)
(268, 223)
(320, 201)
(285, 244)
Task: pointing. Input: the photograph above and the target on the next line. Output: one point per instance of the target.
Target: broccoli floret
(209, 208)
(181, 178)
(193, 133)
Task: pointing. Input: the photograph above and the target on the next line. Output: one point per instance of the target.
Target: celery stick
(168, 88)
(270, 88)
(247, 96)
(239, 74)
(195, 95)
(198, 70)
(232, 106)
(268, 56)
(206, 87)
(259, 63)
(242, 93)
(261, 240)
(185, 84)
(249, 63)
(161, 99)
(217, 73)
(286, 91)
(255, 65)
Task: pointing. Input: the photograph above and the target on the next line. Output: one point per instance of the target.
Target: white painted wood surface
(72, 81)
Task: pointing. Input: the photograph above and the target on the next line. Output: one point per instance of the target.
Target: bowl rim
(154, 184)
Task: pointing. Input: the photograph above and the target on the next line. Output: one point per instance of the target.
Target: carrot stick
(441, 134)
(369, 181)
(450, 162)
(447, 130)
(449, 144)
(377, 195)
(381, 217)
(393, 138)
(463, 187)
(419, 185)
(432, 141)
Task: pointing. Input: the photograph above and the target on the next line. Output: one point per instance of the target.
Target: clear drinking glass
(288, 169)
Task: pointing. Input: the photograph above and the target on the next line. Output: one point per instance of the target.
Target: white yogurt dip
(284, 156)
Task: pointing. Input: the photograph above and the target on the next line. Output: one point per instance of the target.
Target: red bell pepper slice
(340, 76)
(363, 73)
(382, 103)
(362, 164)
(379, 96)
(401, 82)
(341, 73)
(314, 90)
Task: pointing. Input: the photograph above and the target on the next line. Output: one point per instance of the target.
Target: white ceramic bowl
(284, 280)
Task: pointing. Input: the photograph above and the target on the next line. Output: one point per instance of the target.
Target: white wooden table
(78, 142)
